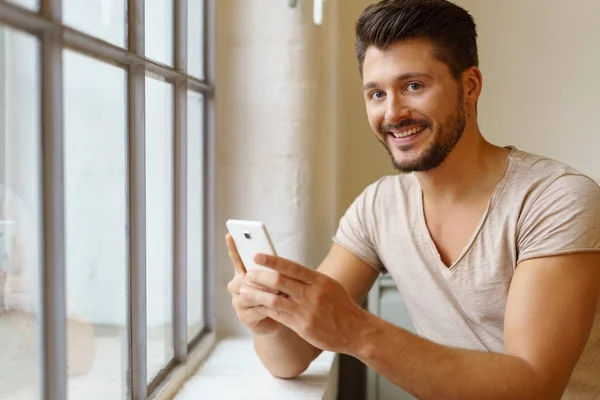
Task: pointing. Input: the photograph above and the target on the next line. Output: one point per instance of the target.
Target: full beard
(445, 139)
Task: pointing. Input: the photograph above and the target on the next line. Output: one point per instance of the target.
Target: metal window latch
(317, 10)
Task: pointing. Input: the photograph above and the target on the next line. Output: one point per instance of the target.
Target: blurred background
(275, 130)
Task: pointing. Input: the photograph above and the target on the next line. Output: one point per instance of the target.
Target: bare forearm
(432, 371)
(284, 353)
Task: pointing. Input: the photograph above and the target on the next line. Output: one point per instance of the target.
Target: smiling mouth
(408, 132)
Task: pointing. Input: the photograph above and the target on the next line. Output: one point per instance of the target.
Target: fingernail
(260, 258)
(243, 291)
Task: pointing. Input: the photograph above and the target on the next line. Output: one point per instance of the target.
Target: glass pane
(33, 5)
(159, 223)
(104, 19)
(195, 221)
(95, 226)
(196, 33)
(20, 215)
(159, 31)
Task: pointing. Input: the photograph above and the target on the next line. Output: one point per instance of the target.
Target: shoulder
(535, 178)
(388, 189)
(532, 167)
(558, 208)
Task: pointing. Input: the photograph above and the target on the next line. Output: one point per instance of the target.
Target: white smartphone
(250, 238)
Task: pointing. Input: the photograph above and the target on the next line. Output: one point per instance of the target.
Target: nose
(396, 110)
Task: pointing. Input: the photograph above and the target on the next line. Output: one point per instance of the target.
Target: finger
(287, 268)
(258, 286)
(238, 264)
(239, 301)
(282, 317)
(270, 300)
(276, 282)
(233, 287)
(241, 304)
(251, 317)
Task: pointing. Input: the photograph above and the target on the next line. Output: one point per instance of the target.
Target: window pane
(95, 226)
(196, 33)
(159, 224)
(195, 219)
(104, 19)
(33, 5)
(20, 215)
(159, 31)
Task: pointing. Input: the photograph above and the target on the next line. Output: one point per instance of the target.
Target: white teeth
(408, 133)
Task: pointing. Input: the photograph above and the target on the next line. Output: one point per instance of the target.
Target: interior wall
(362, 159)
(274, 140)
(540, 91)
(540, 64)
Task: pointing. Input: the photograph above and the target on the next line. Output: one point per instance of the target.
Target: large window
(105, 194)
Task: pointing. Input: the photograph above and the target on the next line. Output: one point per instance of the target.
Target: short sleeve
(565, 218)
(356, 229)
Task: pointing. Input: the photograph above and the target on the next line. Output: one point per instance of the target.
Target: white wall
(274, 136)
(362, 159)
(540, 63)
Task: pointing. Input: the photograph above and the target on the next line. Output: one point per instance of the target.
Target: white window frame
(54, 37)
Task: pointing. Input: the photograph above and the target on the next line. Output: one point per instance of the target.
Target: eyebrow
(403, 77)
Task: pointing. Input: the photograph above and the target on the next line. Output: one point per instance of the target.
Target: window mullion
(137, 355)
(209, 161)
(53, 273)
(180, 209)
(180, 170)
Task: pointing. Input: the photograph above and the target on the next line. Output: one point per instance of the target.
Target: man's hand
(257, 321)
(312, 304)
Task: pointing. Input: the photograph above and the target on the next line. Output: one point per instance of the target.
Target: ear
(473, 81)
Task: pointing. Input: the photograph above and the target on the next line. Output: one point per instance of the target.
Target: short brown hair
(449, 27)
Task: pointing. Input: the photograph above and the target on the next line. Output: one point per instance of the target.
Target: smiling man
(496, 251)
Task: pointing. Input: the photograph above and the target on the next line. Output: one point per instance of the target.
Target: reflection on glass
(159, 224)
(196, 38)
(95, 227)
(20, 215)
(33, 5)
(104, 19)
(195, 221)
(159, 31)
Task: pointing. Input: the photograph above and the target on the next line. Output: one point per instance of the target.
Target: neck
(472, 169)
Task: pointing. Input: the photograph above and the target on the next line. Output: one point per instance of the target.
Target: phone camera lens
(247, 235)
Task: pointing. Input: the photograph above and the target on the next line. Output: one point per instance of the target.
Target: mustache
(408, 122)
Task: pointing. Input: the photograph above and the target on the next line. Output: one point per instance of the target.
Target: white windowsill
(233, 371)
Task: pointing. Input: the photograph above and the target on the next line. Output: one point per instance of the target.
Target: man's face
(413, 104)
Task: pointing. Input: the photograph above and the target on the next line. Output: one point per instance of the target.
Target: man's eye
(377, 95)
(414, 86)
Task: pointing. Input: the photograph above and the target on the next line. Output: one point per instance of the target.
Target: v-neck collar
(445, 269)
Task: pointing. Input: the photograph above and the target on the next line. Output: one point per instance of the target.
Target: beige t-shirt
(539, 208)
